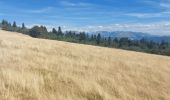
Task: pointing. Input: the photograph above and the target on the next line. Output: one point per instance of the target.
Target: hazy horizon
(148, 16)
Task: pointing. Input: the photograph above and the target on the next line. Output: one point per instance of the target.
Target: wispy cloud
(66, 3)
(159, 28)
(165, 5)
(75, 4)
(149, 15)
(162, 6)
(42, 10)
(144, 15)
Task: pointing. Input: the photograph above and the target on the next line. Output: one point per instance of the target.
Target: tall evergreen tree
(4, 22)
(54, 31)
(14, 24)
(98, 40)
(5, 25)
(60, 31)
(43, 29)
(82, 36)
(123, 42)
(23, 26)
(92, 37)
(163, 45)
(116, 40)
(109, 41)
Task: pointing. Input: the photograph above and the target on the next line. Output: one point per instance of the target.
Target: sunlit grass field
(38, 69)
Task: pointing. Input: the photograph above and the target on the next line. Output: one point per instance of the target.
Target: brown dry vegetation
(37, 69)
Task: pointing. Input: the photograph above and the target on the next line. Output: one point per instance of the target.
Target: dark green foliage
(54, 31)
(14, 24)
(92, 37)
(109, 41)
(123, 42)
(23, 26)
(36, 31)
(82, 36)
(60, 31)
(142, 45)
(163, 45)
(5, 25)
(98, 39)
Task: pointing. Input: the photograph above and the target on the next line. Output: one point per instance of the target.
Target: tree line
(142, 45)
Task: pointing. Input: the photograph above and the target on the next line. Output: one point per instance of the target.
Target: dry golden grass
(37, 69)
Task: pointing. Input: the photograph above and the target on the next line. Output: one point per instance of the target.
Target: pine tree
(54, 31)
(109, 41)
(43, 29)
(4, 22)
(14, 24)
(163, 45)
(92, 38)
(60, 31)
(5, 25)
(23, 26)
(98, 40)
(82, 36)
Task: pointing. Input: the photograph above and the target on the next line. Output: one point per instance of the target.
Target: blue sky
(151, 16)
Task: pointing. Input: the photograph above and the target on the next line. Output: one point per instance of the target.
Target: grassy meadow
(38, 69)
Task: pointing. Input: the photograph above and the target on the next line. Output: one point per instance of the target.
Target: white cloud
(150, 15)
(75, 4)
(43, 10)
(165, 5)
(144, 15)
(66, 3)
(159, 28)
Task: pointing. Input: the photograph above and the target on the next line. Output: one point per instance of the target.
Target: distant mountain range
(132, 35)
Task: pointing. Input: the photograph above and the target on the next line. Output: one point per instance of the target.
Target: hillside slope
(37, 69)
